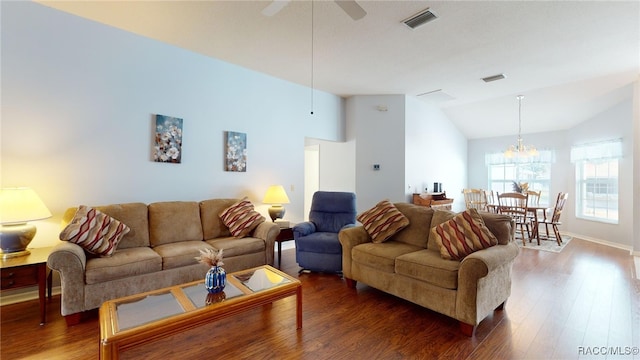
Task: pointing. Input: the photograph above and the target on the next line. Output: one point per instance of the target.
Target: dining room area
(537, 224)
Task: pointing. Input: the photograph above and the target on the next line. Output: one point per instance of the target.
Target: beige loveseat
(409, 265)
(159, 251)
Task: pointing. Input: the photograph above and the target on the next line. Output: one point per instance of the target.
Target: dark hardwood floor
(563, 306)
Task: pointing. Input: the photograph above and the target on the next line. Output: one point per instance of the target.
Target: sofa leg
(73, 319)
(501, 306)
(351, 284)
(467, 329)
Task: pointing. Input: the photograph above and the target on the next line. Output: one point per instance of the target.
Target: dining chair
(534, 197)
(554, 219)
(515, 205)
(475, 199)
(492, 202)
(534, 200)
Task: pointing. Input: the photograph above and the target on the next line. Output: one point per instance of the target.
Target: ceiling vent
(420, 18)
(493, 78)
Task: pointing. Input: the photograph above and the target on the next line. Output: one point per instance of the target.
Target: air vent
(420, 18)
(494, 78)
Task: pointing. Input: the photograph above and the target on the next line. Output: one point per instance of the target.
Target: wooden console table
(433, 200)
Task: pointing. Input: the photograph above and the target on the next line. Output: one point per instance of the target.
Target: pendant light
(520, 150)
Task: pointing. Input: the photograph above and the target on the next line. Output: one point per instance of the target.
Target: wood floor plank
(587, 295)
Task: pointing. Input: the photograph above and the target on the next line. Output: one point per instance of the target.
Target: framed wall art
(235, 151)
(167, 147)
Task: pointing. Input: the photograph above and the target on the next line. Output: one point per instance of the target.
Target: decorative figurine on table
(216, 277)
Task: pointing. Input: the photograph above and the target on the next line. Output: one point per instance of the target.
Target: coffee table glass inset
(141, 318)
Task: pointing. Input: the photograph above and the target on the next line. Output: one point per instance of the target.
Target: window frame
(610, 182)
(594, 155)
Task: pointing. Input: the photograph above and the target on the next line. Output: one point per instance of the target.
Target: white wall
(435, 151)
(78, 103)
(616, 122)
(414, 144)
(613, 123)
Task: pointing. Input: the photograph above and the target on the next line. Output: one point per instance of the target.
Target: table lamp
(17, 206)
(276, 196)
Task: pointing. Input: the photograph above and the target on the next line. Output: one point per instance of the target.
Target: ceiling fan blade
(275, 7)
(352, 9)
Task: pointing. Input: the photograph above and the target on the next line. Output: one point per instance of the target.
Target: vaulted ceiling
(571, 59)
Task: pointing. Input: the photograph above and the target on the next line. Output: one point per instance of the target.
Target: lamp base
(15, 254)
(14, 239)
(276, 212)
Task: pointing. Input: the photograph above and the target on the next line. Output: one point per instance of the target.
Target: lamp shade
(19, 205)
(276, 195)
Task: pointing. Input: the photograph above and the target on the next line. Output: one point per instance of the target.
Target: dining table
(531, 209)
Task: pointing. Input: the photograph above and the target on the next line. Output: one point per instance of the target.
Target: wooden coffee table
(145, 317)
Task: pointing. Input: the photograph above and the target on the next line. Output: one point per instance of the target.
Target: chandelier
(520, 150)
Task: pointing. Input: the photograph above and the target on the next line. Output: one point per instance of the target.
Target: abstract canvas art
(168, 140)
(236, 151)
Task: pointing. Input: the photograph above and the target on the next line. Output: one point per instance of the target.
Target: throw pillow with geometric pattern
(96, 232)
(383, 221)
(464, 234)
(241, 218)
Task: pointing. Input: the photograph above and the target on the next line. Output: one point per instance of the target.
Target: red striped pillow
(383, 221)
(241, 218)
(94, 231)
(464, 234)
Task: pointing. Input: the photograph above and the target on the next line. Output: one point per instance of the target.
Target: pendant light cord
(312, 16)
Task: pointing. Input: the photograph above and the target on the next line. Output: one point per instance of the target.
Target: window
(597, 180)
(535, 171)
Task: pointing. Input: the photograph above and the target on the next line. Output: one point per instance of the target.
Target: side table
(286, 234)
(28, 270)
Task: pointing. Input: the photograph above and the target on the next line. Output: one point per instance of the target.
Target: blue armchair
(317, 244)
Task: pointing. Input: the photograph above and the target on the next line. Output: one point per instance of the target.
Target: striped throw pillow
(241, 218)
(464, 234)
(96, 232)
(383, 221)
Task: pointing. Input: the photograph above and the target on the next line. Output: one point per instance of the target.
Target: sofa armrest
(484, 281)
(303, 229)
(349, 238)
(70, 261)
(268, 232)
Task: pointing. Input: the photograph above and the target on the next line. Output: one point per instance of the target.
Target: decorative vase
(215, 280)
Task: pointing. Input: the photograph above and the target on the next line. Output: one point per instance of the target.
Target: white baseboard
(601, 242)
(16, 296)
(287, 245)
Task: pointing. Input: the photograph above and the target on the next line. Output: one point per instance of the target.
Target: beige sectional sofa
(158, 251)
(409, 265)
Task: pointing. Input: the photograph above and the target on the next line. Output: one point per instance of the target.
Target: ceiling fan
(350, 7)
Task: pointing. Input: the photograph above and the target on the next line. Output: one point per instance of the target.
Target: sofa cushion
(123, 263)
(133, 214)
(241, 218)
(95, 231)
(382, 256)
(428, 266)
(136, 216)
(463, 235)
(174, 221)
(212, 225)
(382, 221)
(500, 226)
(417, 233)
(233, 246)
(181, 253)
